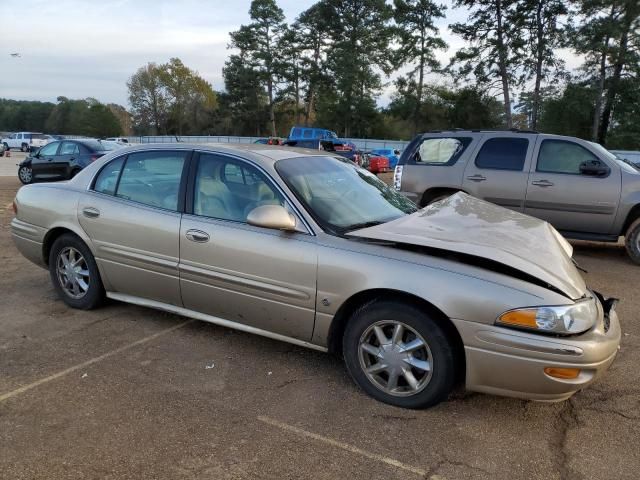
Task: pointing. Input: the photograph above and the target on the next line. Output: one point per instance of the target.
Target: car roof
(267, 153)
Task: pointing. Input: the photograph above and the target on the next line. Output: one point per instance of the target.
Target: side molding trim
(185, 312)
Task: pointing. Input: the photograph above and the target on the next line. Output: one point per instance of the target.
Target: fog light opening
(563, 373)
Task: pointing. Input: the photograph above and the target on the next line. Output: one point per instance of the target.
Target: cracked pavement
(159, 409)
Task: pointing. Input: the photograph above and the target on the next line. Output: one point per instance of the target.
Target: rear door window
(440, 150)
(560, 156)
(503, 154)
(152, 178)
(307, 133)
(69, 148)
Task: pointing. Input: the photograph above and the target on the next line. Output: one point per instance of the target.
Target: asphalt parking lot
(128, 392)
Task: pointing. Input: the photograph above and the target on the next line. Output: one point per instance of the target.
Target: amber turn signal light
(563, 373)
(520, 318)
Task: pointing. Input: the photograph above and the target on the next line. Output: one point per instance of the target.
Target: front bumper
(507, 362)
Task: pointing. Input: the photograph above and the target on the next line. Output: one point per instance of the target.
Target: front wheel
(25, 174)
(399, 355)
(74, 273)
(632, 241)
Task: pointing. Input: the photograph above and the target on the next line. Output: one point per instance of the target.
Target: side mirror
(594, 168)
(272, 216)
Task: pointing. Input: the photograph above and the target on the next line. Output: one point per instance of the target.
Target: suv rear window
(503, 154)
(440, 150)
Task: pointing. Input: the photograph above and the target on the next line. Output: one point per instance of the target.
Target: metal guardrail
(361, 143)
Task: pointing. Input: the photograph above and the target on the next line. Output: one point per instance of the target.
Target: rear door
(68, 153)
(43, 161)
(571, 201)
(499, 168)
(132, 215)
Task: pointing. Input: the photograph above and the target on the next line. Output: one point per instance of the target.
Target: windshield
(625, 164)
(341, 196)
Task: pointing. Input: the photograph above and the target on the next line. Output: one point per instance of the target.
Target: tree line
(329, 67)
(86, 117)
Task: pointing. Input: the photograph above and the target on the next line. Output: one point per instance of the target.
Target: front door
(571, 201)
(498, 171)
(132, 216)
(43, 162)
(256, 276)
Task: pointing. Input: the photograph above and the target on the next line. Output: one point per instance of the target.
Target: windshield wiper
(358, 226)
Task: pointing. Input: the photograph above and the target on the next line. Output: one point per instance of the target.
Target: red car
(378, 164)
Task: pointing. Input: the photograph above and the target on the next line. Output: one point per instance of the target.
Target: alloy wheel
(395, 358)
(73, 272)
(25, 174)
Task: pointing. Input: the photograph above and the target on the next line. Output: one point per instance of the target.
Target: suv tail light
(397, 177)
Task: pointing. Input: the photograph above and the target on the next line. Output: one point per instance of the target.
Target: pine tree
(418, 40)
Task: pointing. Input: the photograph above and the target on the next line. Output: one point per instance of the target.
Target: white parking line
(18, 391)
(344, 446)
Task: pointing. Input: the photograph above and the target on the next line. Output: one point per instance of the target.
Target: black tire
(24, 147)
(73, 173)
(94, 295)
(442, 356)
(632, 241)
(6, 147)
(25, 174)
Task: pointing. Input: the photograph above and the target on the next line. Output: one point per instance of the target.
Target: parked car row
(308, 248)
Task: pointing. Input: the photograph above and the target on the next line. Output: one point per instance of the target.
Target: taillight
(397, 177)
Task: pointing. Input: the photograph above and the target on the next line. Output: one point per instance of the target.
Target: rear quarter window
(441, 151)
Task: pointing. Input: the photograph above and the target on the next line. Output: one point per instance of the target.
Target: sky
(89, 48)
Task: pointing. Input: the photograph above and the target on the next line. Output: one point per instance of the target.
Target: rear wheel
(632, 241)
(25, 174)
(74, 273)
(24, 147)
(399, 355)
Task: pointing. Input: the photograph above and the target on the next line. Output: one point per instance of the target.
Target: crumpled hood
(468, 225)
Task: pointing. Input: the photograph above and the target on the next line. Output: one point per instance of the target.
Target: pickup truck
(25, 141)
(579, 187)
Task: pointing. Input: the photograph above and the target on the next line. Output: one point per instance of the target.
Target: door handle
(197, 236)
(542, 183)
(477, 178)
(91, 212)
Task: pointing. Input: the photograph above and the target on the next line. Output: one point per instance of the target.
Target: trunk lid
(470, 226)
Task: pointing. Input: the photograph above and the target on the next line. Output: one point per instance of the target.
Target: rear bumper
(505, 362)
(28, 240)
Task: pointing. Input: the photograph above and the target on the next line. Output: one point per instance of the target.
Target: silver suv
(579, 187)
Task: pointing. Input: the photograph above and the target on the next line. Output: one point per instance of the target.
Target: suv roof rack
(479, 130)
